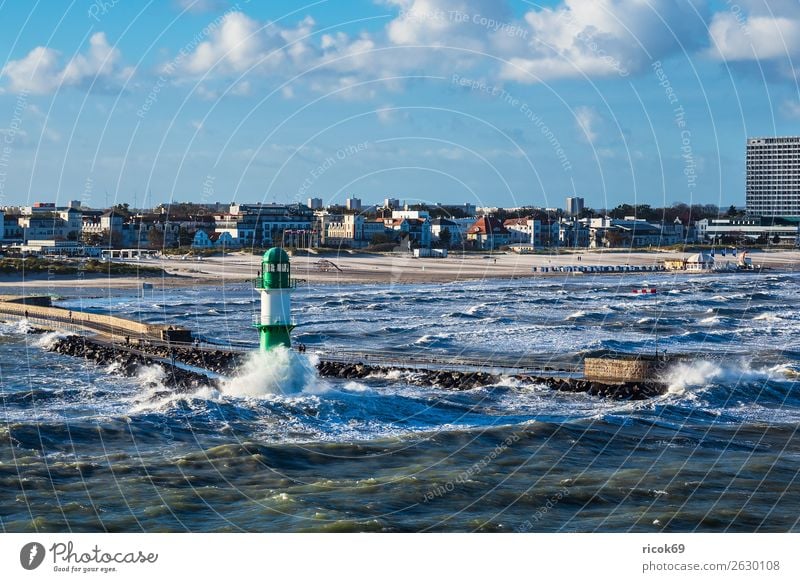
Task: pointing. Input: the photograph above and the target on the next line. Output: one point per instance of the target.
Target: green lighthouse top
(275, 272)
(275, 255)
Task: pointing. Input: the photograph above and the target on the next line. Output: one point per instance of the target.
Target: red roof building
(488, 233)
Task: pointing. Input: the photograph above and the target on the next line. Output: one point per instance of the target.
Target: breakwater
(130, 360)
(459, 380)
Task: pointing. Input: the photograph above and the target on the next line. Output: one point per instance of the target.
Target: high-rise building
(315, 203)
(353, 204)
(773, 176)
(574, 206)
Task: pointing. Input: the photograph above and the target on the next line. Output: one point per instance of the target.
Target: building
(348, 230)
(51, 225)
(415, 227)
(750, 229)
(39, 208)
(2, 225)
(315, 203)
(633, 232)
(574, 206)
(51, 247)
(525, 230)
(454, 230)
(488, 233)
(572, 233)
(353, 204)
(391, 203)
(773, 176)
(699, 263)
(266, 224)
(415, 214)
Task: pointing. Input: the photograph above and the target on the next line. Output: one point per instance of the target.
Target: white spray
(277, 371)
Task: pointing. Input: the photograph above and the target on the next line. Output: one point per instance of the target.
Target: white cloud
(235, 45)
(587, 120)
(736, 38)
(605, 37)
(40, 72)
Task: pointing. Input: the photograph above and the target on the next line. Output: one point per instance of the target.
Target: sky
(491, 102)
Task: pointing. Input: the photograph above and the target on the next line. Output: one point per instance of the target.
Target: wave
(767, 317)
(18, 327)
(278, 371)
(434, 339)
(703, 373)
(47, 340)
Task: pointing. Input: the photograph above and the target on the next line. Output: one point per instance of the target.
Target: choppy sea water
(280, 449)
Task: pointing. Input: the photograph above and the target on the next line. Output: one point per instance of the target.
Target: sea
(276, 448)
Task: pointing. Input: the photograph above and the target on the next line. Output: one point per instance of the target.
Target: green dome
(275, 256)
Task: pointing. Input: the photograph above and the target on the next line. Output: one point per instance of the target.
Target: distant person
(26, 314)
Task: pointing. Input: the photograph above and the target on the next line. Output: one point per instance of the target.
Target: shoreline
(363, 268)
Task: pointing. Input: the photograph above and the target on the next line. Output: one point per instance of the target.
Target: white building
(773, 176)
(353, 204)
(700, 262)
(414, 214)
(750, 228)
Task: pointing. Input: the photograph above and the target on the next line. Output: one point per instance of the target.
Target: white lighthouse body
(276, 307)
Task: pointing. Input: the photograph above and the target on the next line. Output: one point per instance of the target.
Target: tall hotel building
(773, 176)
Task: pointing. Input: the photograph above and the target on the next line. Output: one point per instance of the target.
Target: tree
(185, 237)
(380, 238)
(732, 212)
(123, 210)
(445, 237)
(776, 240)
(155, 237)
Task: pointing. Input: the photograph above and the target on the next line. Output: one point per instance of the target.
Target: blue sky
(493, 102)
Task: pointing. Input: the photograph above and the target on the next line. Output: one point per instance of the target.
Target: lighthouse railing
(259, 283)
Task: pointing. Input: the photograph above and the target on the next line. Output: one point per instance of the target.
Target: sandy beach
(352, 268)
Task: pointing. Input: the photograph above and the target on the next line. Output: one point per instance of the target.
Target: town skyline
(493, 103)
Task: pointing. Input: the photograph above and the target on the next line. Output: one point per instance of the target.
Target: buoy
(275, 285)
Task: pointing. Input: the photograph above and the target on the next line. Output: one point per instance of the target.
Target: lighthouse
(275, 285)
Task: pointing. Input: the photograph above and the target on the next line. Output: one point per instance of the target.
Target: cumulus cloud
(736, 38)
(40, 71)
(605, 37)
(760, 34)
(575, 38)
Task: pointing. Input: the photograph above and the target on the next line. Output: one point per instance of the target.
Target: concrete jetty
(40, 312)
